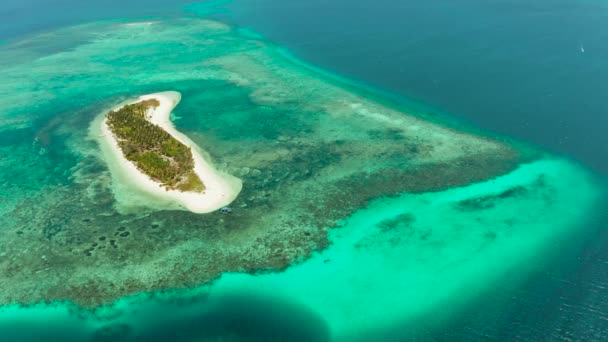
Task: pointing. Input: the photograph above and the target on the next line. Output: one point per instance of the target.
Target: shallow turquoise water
(422, 256)
(412, 261)
(409, 261)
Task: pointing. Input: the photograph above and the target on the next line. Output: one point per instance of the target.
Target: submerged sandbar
(217, 189)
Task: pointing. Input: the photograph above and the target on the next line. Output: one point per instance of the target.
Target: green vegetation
(154, 151)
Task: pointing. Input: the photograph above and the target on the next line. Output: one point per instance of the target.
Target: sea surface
(505, 69)
(530, 69)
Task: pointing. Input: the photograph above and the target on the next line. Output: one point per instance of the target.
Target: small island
(144, 147)
(154, 151)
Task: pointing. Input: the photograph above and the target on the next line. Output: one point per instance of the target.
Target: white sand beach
(220, 188)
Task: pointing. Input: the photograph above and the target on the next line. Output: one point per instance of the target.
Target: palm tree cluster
(154, 151)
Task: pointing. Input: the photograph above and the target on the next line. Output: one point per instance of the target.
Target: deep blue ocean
(535, 70)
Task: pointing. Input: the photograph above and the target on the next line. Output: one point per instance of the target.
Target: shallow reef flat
(351, 205)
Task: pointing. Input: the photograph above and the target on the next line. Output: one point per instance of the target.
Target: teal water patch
(189, 317)
(226, 112)
(205, 9)
(406, 260)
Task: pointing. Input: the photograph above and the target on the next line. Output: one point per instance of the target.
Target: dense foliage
(154, 151)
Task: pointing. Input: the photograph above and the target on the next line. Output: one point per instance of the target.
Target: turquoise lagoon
(359, 219)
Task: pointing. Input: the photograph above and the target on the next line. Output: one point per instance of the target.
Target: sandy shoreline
(220, 188)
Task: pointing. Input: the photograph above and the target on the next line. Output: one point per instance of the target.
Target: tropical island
(154, 151)
(155, 158)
